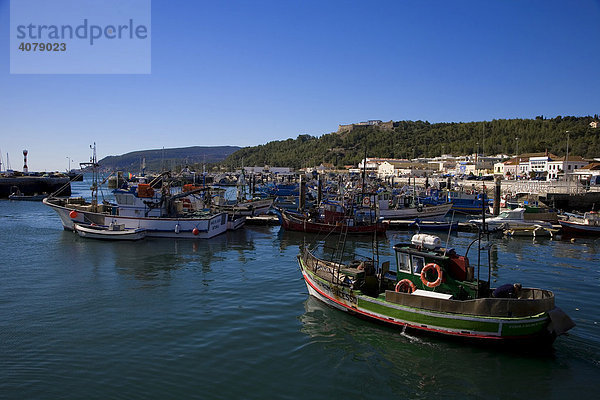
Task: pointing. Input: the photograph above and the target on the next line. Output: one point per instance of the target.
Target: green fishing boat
(433, 289)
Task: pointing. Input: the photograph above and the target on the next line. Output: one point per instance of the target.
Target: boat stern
(560, 322)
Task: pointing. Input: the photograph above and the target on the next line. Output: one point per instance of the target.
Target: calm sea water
(230, 318)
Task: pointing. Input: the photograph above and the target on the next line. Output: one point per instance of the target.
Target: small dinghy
(435, 225)
(18, 196)
(111, 232)
(531, 231)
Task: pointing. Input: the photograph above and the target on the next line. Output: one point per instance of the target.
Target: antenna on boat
(449, 232)
(364, 174)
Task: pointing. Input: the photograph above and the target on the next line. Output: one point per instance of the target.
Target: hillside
(410, 139)
(156, 159)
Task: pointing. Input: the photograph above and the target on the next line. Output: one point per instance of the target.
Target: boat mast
(95, 174)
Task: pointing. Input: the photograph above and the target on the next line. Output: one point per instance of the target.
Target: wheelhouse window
(403, 262)
(418, 263)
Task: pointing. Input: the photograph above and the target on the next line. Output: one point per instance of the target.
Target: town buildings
(539, 166)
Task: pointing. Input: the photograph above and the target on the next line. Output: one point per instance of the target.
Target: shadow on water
(424, 366)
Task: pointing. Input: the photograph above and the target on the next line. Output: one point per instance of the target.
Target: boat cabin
(142, 200)
(424, 265)
(591, 218)
(139, 201)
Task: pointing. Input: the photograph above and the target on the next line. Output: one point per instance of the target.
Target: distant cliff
(166, 158)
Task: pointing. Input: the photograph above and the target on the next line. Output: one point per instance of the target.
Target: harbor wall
(30, 185)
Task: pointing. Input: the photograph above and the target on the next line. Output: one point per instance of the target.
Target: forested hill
(157, 160)
(410, 139)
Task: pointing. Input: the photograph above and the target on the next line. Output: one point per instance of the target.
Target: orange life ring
(424, 272)
(405, 284)
(366, 201)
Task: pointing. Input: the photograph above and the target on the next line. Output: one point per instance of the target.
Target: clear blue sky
(248, 72)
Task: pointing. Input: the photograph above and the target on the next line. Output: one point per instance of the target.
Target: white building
(539, 164)
(499, 168)
(562, 166)
(386, 169)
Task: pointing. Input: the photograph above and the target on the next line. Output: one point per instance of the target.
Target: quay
(30, 185)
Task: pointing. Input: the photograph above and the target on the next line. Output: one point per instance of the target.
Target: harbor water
(230, 318)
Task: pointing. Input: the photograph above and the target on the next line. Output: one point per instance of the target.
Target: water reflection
(424, 366)
(156, 258)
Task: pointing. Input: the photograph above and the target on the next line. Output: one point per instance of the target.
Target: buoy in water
(73, 214)
(195, 231)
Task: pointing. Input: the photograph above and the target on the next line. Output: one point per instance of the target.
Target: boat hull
(305, 225)
(105, 234)
(247, 209)
(38, 197)
(477, 328)
(436, 226)
(155, 227)
(532, 231)
(426, 213)
(578, 228)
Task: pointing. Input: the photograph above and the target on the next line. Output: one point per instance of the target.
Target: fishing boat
(23, 197)
(159, 211)
(435, 225)
(588, 224)
(391, 207)
(240, 206)
(17, 195)
(177, 224)
(468, 203)
(336, 218)
(279, 189)
(510, 219)
(434, 290)
(111, 232)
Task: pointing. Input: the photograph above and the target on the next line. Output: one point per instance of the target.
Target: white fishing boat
(510, 219)
(111, 232)
(158, 211)
(164, 217)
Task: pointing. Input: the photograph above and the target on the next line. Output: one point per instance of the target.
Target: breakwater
(30, 185)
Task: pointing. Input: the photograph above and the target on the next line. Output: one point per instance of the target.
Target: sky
(244, 73)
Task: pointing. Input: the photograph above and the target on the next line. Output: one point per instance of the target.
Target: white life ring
(366, 202)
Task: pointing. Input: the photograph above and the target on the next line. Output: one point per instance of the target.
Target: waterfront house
(560, 165)
(590, 172)
(499, 168)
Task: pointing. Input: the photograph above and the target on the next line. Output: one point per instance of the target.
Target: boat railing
(328, 270)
